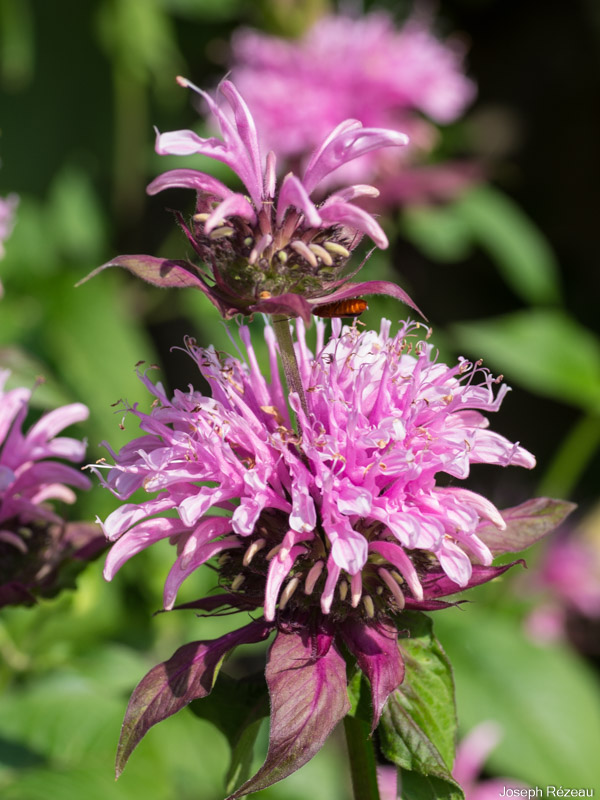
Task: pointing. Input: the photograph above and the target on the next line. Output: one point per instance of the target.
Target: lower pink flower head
(347, 514)
(333, 528)
(34, 537)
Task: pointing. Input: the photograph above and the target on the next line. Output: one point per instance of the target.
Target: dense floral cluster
(349, 510)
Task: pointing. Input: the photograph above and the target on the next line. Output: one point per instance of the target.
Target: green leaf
(517, 247)
(236, 708)
(439, 232)
(428, 787)
(546, 351)
(97, 342)
(418, 725)
(545, 699)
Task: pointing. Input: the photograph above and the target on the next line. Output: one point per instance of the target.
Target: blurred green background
(507, 272)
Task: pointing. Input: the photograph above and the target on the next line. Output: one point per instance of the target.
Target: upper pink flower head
(269, 247)
(349, 511)
(364, 68)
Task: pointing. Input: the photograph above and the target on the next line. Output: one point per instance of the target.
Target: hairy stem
(362, 759)
(281, 326)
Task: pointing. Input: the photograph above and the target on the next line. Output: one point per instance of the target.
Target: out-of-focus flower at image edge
(8, 207)
(40, 552)
(332, 531)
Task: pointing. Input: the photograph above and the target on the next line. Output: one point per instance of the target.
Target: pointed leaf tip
(188, 675)
(526, 524)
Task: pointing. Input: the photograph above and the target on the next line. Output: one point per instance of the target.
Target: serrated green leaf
(545, 699)
(517, 247)
(428, 787)
(546, 351)
(418, 726)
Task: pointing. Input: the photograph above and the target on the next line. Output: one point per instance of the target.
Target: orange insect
(353, 307)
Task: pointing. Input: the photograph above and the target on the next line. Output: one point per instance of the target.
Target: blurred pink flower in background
(364, 69)
(569, 577)
(8, 206)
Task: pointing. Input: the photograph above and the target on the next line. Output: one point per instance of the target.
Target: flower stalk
(361, 758)
(281, 327)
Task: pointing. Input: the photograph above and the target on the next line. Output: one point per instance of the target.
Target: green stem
(281, 326)
(572, 457)
(362, 759)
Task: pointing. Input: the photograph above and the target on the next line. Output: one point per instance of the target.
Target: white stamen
(369, 606)
(337, 249)
(343, 589)
(252, 551)
(321, 253)
(221, 233)
(288, 592)
(237, 582)
(302, 249)
(392, 586)
(313, 576)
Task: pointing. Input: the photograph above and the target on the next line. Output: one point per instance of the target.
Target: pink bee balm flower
(268, 248)
(34, 538)
(332, 530)
(381, 75)
(349, 505)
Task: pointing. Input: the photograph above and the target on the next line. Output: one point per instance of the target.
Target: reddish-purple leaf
(525, 524)
(188, 675)
(438, 584)
(307, 686)
(375, 648)
(158, 271)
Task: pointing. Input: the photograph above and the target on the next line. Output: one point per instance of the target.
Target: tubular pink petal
(293, 193)
(398, 558)
(354, 217)
(188, 179)
(235, 205)
(347, 144)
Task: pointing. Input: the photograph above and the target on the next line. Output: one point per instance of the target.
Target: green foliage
(418, 726)
(545, 699)
(487, 218)
(546, 351)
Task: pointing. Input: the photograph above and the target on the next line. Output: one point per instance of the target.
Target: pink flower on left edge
(267, 248)
(35, 539)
